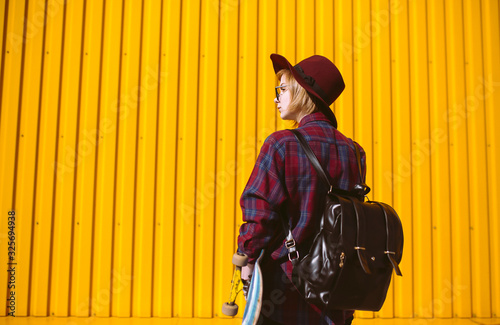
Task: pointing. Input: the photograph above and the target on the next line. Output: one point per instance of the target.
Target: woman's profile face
(284, 101)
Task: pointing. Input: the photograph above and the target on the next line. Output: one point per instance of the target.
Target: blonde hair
(300, 101)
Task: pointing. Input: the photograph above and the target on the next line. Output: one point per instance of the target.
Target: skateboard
(254, 296)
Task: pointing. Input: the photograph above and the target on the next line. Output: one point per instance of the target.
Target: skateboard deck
(254, 296)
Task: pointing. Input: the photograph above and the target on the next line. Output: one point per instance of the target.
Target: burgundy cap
(319, 77)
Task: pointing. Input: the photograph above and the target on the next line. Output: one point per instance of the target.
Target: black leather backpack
(350, 263)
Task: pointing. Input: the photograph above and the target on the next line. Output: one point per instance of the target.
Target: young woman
(284, 186)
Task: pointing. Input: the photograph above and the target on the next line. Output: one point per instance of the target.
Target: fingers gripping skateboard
(230, 308)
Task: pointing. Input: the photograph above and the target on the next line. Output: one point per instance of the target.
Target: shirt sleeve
(261, 200)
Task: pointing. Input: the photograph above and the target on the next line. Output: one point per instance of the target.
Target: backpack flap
(395, 239)
(361, 236)
(379, 238)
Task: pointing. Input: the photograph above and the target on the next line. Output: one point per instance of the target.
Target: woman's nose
(276, 100)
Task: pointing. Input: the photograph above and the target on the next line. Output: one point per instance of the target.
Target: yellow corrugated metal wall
(128, 130)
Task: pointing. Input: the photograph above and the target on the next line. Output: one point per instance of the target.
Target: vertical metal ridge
(391, 105)
(352, 71)
(257, 79)
(136, 167)
(333, 52)
(96, 164)
(21, 82)
(4, 42)
(276, 22)
(471, 280)
(295, 30)
(235, 185)
(21, 90)
(174, 224)
(372, 153)
(116, 158)
(496, 313)
(411, 160)
(54, 178)
(236, 206)
(75, 178)
(195, 203)
(485, 129)
(160, 48)
(37, 158)
(217, 142)
(448, 149)
(35, 183)
(315, 27)
(68, 312)
(430, 148)
(458, 164)
(374, 190)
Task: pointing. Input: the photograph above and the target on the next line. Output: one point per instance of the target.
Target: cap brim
(280, 63)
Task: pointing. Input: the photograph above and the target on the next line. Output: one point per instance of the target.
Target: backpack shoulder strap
(362, 188)
(312, 158)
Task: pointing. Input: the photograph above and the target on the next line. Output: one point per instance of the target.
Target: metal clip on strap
(293, 254)
(293, 258)
(289, 244)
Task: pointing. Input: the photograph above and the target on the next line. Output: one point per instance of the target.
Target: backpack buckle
(289, 244)
(293, 253)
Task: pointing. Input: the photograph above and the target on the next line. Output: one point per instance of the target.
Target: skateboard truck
(230, 308)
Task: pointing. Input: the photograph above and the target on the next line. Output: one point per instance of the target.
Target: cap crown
(325, 74)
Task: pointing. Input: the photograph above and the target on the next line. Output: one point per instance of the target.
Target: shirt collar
(316, 116)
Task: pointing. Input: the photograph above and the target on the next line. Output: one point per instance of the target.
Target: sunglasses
(280, 91)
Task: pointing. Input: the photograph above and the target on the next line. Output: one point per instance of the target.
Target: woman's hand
(246, 275)
(247, 271)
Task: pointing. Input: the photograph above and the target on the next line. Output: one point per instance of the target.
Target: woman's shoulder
(281, 137)
(278, 138)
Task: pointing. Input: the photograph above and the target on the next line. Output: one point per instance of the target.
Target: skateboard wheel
(229, 310)
(240, 259)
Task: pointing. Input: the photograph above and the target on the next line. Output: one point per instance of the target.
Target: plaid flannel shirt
(283, 184)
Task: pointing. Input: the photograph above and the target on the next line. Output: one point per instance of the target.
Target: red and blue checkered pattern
(283, 184)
